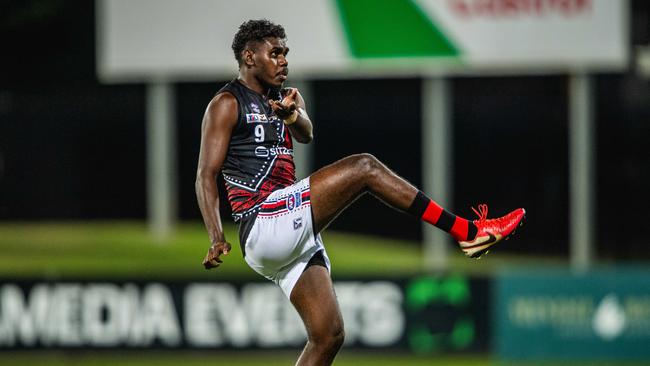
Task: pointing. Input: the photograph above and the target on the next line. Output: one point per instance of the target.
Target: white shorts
(282, 239)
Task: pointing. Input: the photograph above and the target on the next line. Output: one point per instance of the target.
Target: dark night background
(72, 148)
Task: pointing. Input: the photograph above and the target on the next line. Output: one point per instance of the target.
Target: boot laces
(482, 212)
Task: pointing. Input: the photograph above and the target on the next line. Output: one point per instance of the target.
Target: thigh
(315, 300)
(333, 188)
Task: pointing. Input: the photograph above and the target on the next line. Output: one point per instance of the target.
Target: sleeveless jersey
(260, 155)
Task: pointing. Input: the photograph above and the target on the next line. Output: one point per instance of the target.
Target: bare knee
(329, 340)
(367, 164)
(337, 339)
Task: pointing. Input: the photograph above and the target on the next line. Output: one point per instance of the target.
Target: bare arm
(302, 129)
(218, 123)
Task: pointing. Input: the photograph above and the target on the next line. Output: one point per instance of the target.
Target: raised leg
(336, 186)
(314, 298)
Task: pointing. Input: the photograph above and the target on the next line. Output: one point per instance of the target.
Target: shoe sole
(481, 253)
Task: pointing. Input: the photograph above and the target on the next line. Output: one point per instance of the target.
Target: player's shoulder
(223, 108)
(228, 94)
(223, 100)
(225, 97)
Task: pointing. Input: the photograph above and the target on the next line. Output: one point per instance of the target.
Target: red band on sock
(432, 213)
(460, 228)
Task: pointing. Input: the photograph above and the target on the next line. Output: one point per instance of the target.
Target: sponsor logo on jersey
(297, 223)
(294, 201)
(264, 152)
(298, 196)
(291, 202)
(261, 152)
(256, 117)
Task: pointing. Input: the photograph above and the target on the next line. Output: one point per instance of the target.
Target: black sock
(428, 210)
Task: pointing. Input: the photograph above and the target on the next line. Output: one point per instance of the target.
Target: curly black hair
(256, 31)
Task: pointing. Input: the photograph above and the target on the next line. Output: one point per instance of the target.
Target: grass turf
(114, 250)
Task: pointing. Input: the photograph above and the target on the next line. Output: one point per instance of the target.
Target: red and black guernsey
(260, 154)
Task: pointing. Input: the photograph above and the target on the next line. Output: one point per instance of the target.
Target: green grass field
(126, 250)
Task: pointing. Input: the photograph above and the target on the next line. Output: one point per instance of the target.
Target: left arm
(293, 111)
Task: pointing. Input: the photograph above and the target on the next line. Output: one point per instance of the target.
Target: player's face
(271, 59)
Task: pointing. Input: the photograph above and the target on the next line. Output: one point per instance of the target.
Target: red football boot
(491, 231)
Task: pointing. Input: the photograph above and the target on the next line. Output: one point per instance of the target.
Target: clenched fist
(212, 259)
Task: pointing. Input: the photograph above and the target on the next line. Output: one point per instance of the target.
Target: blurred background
(536, 104)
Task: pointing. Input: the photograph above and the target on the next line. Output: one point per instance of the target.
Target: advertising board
(191, 40)
(558, 314)
(425, 314)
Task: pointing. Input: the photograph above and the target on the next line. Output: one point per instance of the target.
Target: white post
(303, 153)
(436, 164)
(161, 159)
(581, 171)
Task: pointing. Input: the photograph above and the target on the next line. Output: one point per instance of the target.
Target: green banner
(389, 28)
(546, 314)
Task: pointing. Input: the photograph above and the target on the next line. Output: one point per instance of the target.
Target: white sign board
(188, 40)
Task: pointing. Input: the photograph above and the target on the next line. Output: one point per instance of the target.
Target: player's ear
(247, 57)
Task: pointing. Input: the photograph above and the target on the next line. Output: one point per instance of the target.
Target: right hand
(285, 108)
(212, 259)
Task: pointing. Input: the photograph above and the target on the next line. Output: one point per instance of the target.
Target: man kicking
(247, 135)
